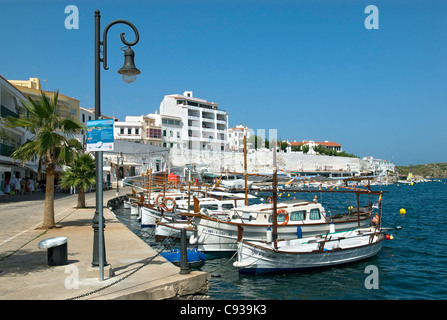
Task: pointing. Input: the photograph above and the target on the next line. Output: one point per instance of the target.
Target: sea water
(411, 266)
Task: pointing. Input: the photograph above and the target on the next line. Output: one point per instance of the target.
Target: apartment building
(68, 107)
(11, 138)
(141, 129)
(236, 138)
(203, 126)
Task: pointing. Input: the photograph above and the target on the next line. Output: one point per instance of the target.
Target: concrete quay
(138, 272)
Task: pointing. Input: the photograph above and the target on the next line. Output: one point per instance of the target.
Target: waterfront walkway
(138, 271)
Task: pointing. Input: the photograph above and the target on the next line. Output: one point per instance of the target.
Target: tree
(81, 175)
(49, 142)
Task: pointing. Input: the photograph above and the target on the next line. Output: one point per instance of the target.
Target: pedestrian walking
(17, 186)
(22, 186)
(7, 186)
(12, 185)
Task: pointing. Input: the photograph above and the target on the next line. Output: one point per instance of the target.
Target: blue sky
(309, 69)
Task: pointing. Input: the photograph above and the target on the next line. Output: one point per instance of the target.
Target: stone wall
(261, 161)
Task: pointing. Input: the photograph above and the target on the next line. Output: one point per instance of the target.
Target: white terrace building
(203, 126)
(140, 129)
(11, 138)
(236, 138)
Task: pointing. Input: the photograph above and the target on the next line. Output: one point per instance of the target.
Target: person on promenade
(7, 186)
(30, 185)
(17, 186)
(12, 185)
(22, 186)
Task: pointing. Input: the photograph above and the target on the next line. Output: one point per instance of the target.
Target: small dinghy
(195, 258)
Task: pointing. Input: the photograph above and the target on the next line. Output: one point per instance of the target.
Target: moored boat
(295, 218)
(331, 249)
(195, 259)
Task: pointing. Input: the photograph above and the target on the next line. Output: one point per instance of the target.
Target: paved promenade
(138, 271)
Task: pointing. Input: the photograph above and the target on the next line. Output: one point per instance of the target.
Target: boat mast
(245, 169)
(274, 197)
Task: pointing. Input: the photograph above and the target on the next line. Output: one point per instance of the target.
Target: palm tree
(49, 142)
(81, 175)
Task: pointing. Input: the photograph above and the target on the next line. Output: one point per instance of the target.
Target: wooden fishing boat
(328, 249)
(254, 257)
(295, 218)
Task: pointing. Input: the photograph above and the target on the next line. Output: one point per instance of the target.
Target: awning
(5, 169)
(127, 163)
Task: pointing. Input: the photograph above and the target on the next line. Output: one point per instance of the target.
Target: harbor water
(410, 266)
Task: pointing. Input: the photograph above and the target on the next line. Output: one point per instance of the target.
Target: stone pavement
(138, 271)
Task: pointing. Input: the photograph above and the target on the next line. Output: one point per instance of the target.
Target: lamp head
(129, 71)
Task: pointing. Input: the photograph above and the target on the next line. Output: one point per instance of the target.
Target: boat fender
(331, 227)
(269, 234)
(299, 232)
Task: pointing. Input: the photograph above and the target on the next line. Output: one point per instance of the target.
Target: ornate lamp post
(129, 73)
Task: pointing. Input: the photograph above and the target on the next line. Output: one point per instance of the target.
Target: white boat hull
(165, 229)
(215, 235)
(296, 255)
(149, 217)
(134, 209)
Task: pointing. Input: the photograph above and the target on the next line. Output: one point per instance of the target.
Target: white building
(11, 138)
(236, 138)
(144, 129)
(378, 166)
(203, 126)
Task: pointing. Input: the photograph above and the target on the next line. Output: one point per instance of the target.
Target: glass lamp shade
(129, 71)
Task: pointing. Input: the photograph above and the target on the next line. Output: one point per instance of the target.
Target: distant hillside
(431, 170)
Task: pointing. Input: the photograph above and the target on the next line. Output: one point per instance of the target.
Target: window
(298, 216)
(164, 121)
(129, 131)
(209, 206)
(176, 122)
(137, 131)
(227, 206)
(122, 131)
(73, 111)
(164, 133)
(178, 134)
(314, 214)
(154, 133)
(83, 117)
(171, 134)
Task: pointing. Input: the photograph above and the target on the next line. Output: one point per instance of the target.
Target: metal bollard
(184, 269)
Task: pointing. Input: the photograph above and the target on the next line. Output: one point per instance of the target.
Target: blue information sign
(100, 135)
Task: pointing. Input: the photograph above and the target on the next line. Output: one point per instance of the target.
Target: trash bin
(56, 250)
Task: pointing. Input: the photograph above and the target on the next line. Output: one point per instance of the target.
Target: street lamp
(129, 72)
